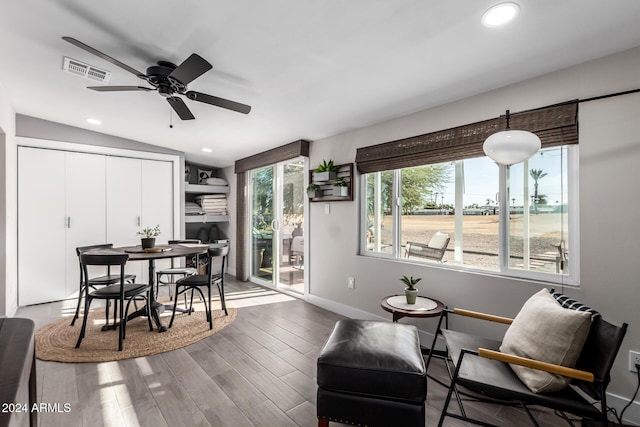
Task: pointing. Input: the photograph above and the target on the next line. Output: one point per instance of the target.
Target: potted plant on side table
(148, 236)
(411, 292)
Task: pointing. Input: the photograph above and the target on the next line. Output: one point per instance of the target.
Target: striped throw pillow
(572, 304)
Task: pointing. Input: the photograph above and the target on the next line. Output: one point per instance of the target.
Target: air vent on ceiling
(87, 71)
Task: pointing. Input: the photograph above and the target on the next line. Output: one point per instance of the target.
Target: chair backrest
(217, 253)
(82, 249)
(176, 242)
(87, 260)
(598, 354)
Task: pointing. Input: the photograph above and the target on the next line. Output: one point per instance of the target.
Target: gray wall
(609, 237)
(8, 212)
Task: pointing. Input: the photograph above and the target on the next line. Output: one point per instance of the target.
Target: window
(514, 220)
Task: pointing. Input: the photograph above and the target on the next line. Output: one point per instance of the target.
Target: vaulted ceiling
(309, 69)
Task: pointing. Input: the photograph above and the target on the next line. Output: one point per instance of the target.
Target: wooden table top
(136, 254)
(400, 312)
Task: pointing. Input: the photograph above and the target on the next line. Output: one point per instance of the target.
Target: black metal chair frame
(117, 292)
(105, 280)
(194, 283)
(591, 375)
(174, 271)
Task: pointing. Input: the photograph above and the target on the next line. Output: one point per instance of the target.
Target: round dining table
(164, 251)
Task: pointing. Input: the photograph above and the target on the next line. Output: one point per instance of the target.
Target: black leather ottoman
(372, 374)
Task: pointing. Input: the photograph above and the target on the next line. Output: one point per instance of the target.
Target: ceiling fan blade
(192, 68)
(218, 102)
(180, 108)
(119, 88)
(103, 56)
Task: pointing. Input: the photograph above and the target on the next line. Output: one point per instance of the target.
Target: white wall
(8, 212)
(610, 240)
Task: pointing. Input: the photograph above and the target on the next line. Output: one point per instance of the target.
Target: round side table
(422, 307)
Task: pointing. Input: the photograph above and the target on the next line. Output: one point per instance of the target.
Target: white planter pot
(324, 176)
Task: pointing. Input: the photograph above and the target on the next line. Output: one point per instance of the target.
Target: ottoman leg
(323, 423)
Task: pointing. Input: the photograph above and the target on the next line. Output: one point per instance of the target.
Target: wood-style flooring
(259, 371)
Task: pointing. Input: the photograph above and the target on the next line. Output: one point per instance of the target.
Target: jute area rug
(57, 340)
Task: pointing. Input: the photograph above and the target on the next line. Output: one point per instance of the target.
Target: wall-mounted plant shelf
(329, 192)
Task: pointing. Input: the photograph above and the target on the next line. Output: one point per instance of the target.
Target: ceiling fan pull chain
(170, 118)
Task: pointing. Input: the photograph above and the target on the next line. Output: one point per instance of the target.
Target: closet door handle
(138, 220)
(68, 221)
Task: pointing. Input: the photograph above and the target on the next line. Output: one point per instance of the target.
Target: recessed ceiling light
(500, 14)
(207, 150)
(94, 121)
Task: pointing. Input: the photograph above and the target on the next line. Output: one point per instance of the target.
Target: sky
(481, 179)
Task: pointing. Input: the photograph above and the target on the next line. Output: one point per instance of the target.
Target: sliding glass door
(277, 223)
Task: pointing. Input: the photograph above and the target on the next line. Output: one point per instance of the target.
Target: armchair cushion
(543, 330)
(439, 240)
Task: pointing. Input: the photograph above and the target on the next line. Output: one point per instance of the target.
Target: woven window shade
(275, 155)
(554, 125)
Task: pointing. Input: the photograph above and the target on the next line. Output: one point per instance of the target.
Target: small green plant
(341, 181)
(149, 232)
(326, 166)
(313, 187)
(410, 281)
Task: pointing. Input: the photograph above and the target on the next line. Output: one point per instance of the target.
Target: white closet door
(85, 208)
(157, 201)
(41, 226)
(157, 197)
(123, 206)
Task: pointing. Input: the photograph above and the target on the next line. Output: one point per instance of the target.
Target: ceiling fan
(169, 80)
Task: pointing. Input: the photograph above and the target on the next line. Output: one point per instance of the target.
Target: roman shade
(275, 155)
(555, 125)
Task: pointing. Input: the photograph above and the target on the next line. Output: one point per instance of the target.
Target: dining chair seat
(93, 282)
(119, 293)
(194, 283)
(167, 276)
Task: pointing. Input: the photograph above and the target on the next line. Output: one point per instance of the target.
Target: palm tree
(536, 175)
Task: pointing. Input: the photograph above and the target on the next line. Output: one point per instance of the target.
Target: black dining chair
(168, 276)
(119, 292)
(194, 283)
(104, 280)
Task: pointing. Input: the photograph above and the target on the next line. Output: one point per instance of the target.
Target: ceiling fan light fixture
(509, 147)
(500, 14)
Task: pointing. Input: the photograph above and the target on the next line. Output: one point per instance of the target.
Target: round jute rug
(57, 340)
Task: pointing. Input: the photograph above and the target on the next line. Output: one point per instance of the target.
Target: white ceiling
(310, 69)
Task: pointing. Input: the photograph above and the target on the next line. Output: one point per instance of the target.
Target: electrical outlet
(351, 283)
(634, 359)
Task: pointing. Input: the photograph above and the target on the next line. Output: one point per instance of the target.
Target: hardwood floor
(259, 371)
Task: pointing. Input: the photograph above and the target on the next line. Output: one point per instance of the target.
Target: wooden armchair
(480, 366)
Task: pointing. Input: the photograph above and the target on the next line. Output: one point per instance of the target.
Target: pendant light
(508, 147)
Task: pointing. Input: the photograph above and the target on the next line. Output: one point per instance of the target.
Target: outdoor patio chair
(435, 249)
(554, 347)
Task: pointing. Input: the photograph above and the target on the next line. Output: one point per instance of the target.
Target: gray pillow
(544, 330)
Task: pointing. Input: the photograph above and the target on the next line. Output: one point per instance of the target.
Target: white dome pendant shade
(509, 147)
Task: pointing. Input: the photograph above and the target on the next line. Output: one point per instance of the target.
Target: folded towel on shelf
(191, 208)
(215, 181)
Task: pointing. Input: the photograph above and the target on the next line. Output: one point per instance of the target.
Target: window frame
(570, 279)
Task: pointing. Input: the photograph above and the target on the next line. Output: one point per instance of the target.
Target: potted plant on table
(341, 187)
(314, 190)
(148, 236)
(411, 292)
(326, 171)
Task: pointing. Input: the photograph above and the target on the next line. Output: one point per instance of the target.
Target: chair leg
(87, 303)
(121, 326)
(223, 303)
(80, 297)
(190, 302)
(209, 314)
(175, 304)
